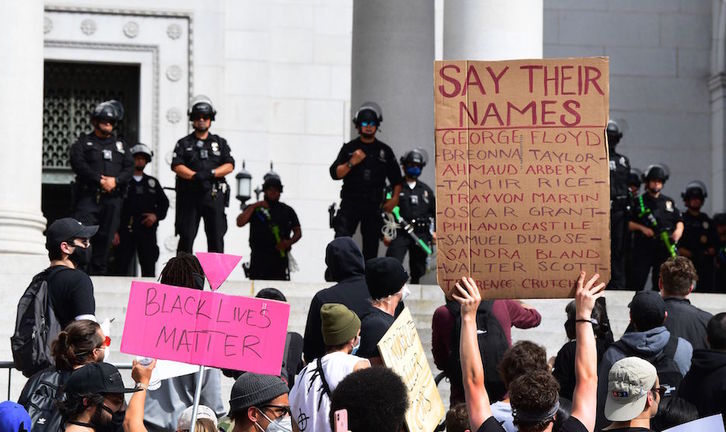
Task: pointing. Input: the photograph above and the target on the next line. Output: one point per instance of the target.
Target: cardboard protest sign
(522, 176)
(205, 328)
(401, 350)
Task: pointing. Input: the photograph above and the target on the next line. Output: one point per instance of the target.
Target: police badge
(705, 225)
(382, 155)
(120, 146)
(152, 183)
(669, 206)
(215, 148)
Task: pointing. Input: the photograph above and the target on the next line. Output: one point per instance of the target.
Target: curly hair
(536, 391)
(75, 344)
(183, 270)
(520, 358)
(678, 276)
(457, 419)
(376, 399)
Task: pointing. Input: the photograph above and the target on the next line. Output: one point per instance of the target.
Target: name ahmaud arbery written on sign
(522, 174)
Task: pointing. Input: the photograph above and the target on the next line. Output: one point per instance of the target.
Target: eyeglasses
(279, 410)
(106, 342)
(83, 242)
(368, 123)
(661, 390)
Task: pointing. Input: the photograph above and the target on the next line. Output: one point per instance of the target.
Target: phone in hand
(341, 420)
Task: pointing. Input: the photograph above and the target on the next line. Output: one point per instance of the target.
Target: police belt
(92, 189)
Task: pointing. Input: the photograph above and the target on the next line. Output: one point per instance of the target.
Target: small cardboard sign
(402, 351)
(205, 328)
(522, 174)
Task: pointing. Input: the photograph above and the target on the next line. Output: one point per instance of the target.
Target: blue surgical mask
(356, 346)
(413, 171)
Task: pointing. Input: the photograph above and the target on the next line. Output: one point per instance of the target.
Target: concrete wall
(659, 68)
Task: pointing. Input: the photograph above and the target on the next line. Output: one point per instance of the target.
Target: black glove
(202, 176)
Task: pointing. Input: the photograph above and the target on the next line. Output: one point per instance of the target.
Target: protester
(457, 420)
(310, 397)
(386, 280)
(375, 399)
(165, 404)
(94, 399)
(705, 383)
(259, 403)
(522, 358)
(345, 266)
(673, 411)
(445, 339)
(13, 418)
(633, 395)
(651, 341)
(564, 366)
(141, 374)
(677, 279)
(293, 362)
(533, 396)
(206, 420)
(80, 343)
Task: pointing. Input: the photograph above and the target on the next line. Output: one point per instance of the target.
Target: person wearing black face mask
(274, 228)
(70, 289)
(417, 205)
(94, 397)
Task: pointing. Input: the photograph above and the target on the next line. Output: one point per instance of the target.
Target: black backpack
(40, 396)
(669, 374)
(35, 326)
(493, 344)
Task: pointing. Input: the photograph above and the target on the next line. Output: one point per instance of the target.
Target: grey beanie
(252, 389)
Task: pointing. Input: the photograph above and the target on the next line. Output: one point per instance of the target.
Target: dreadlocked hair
(180, 271)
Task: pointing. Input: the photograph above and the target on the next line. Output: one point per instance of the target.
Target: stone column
(492, 29)
(21, 129)
(392, 64)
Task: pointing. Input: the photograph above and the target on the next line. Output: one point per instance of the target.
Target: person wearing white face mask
(310, 396)
(386, 280)
(259, 403)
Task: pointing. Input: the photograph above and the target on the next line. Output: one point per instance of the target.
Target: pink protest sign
(205, 328)
(217, 266)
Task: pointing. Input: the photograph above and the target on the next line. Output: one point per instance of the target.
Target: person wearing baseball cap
(634, 393)
(386, 280)
(259, 403)
(13, 418)
(94, 398)
(70, 289)
(206, 420)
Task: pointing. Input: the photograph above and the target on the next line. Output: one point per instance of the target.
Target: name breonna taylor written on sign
(205, 328)
(522, 175)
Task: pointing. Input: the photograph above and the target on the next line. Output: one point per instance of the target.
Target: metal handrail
(10, 366)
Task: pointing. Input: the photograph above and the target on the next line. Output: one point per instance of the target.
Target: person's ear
(252, 414)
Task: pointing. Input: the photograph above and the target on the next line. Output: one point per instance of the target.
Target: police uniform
(619, 206)
(362, 191)
(650, 253)
(720, 268)
(92, 157)
(417, 206)
(699, 235)
(266, 262)
(144, 195)
(201, 199)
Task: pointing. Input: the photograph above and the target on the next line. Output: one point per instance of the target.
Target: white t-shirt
(309, 405)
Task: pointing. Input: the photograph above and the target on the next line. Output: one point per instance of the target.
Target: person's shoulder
(186, 139)
(491, 425)
(572, 424)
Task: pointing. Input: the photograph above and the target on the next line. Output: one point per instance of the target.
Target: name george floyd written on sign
(205, 328)
(522, 174)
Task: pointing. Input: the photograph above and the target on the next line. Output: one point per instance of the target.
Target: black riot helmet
(719, 218)
(614, 133)
(417, 156)
(143, 149)
(635, 178)
(271, 179)
(657, 171)
(110, 110)
(201, 105)
(695, 189)
(368, 111)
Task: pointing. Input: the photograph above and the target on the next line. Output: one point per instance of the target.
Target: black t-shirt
(372, 328)
(630, 429)
(71, 293)
(366, 180)
(572, 424)
(262, 240)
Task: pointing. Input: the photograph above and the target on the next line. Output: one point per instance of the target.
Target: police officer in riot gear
(635, 179)
(200, 161)
(719, 221)
(103, 166)
(417, 206)
(274, 228)
(364, 164)
(699, 239)
(657, 226)
(619, 204)
(144, 206)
